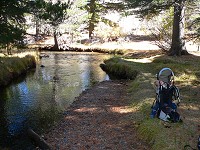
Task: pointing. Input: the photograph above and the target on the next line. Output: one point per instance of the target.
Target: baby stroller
(164, 106)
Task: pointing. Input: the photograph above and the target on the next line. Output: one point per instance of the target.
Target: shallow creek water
(38, 99)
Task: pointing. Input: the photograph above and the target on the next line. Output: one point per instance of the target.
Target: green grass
(159, 134)
(12, 67)
(120, 69)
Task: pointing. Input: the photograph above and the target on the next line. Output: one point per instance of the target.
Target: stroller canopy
(165, 75)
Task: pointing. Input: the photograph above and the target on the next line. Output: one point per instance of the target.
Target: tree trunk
(8, 49)
(178, 43)
(37, 30)
(92, 19)
(55, 47)
(91, 29)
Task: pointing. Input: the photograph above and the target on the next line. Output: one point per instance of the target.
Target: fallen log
(39, 141)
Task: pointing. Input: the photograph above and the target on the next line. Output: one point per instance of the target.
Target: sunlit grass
(12, 67)
(155, 131)
(162, 135)
(188, 79)
(119, 68)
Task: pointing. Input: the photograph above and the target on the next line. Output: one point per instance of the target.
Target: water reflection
(38, 100)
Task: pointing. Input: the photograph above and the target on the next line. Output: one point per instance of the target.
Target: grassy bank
(12, 67)
(84, 49)
(163, 135)
(119, 68)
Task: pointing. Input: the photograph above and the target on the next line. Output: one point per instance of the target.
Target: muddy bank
(98, 119)
(13, 67)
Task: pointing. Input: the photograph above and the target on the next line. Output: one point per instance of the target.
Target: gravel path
(97, 120)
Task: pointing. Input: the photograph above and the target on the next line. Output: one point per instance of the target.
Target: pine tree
(55, 14)
(11, 22)
(154, 7)
(96, 9)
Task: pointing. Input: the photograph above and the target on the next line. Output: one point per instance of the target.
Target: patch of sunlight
(143, 60)
(186, 78)
(2, 55)
(113, 45)
(194, 108)
(49, 41)
(191, 107)
(143, 45)
(192, 119)
(71, 117)
(86, 109)
(23, 54)
(122, 110)
(145, 102)
(103, 87)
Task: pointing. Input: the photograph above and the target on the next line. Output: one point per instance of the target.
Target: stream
(38, 99)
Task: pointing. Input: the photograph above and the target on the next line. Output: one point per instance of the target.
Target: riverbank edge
(13, 67)
(87, 49)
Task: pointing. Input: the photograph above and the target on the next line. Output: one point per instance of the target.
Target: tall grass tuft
(119, 69)
(12, 67)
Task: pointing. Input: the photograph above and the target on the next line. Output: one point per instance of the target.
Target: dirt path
(97, 120)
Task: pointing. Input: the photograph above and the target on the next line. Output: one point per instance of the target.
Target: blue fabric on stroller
(156, 107)
(164, 106)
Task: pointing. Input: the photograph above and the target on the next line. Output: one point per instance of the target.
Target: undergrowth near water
(163, 135)
(119, 69)
(12, 67)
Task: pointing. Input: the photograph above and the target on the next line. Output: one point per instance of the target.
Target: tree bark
(91, 29)
(37, 30)
(92, 19)
(178, 43)
(55, 47)
(8, 49)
